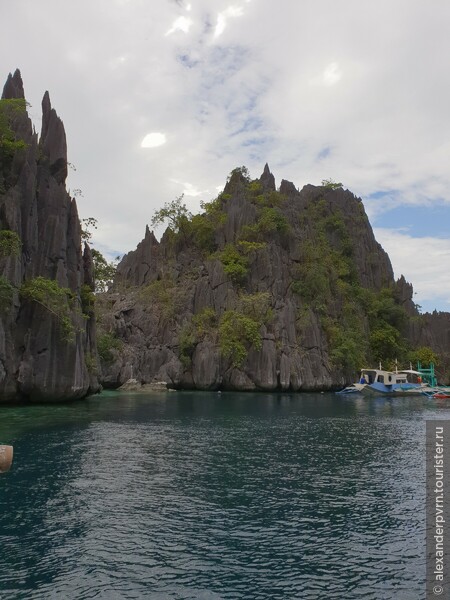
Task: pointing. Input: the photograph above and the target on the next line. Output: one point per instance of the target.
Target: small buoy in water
(6, 458)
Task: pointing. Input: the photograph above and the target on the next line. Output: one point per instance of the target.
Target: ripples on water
(211, 496)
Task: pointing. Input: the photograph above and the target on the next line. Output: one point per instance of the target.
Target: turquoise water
(208, 496)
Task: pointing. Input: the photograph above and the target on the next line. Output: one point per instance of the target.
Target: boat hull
(378, 389)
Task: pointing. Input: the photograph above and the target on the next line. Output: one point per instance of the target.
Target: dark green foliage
(331, 184)
(9, 109)
(10, 144)
(271, 219)
(205, 321)
(203, 324)
(240, 329)
(247, 247)
(425, 356)
(256, 188)
(91, 363)
(214, 209)
(165, 296)
(175, 213)
(57, 300)
(10, 243)
(107, 343)
(385, 342)
(256, 306)
(201, 230)
(87, 225)
(87, 298)
(6, 294)
(104, 271)
(187, 342)
(241, 172)
(347, 339)
(234, 263)
(361, 325)
(237, 333)
(236, 330)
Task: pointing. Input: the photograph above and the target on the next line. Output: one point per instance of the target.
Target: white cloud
(189, 189)
(153, 140)
(424, 261)
(222, 18)
(332, 74)
(237, 90)
(181, 24)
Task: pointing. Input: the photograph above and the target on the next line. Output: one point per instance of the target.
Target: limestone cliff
(267, 289)
(46, 353)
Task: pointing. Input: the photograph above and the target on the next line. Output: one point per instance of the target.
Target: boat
(441, 395)
(6, 458)
(405, 382)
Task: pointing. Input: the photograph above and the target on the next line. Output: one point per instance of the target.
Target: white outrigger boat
(394, 383)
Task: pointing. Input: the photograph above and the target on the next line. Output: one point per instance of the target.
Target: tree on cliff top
(175, 213)
(104, 271)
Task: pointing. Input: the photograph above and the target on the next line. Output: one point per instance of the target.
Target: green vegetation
(202, 325)
(239, 173)
(425, 356)
(87, 299)
(361, 325)
(104, 271)
(86, 228)
(175, 213)
(234, 263)
(270, 220)
(166, 296)
(10, 243)
(256, 306)
(106, 344)
(331, 184)
(235, 330)
(6, 294)
(197, 231)
(237, 333)
(249, 247)
(91, 363)
(9, 109)
(239, 330)
(57, 300)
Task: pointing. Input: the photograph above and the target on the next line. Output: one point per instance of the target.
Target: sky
(165, 97)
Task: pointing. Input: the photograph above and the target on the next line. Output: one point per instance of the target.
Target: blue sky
(166, 97)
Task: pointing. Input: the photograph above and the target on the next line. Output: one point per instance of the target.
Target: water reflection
(191, 495)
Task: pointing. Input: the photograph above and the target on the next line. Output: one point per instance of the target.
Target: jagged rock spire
(53, 140)
(267, 179)
(13, 87)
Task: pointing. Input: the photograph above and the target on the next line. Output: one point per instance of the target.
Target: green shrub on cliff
(6, 294)
(10, 243)
(234, 263)
(175, 213)
(57, 300)
(237, 333)
(106, 344)
(10, 108)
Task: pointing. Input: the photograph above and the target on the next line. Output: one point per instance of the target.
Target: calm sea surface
(209, 496)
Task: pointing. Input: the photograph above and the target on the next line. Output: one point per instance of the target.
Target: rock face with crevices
(281, 295)
(36, 361)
